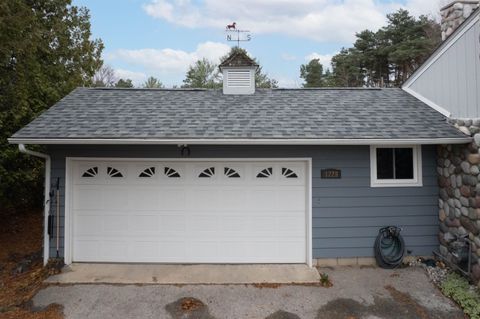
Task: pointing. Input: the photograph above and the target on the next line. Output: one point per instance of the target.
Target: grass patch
(458, 288)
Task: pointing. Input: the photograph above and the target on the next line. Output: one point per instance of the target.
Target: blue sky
(162, 38)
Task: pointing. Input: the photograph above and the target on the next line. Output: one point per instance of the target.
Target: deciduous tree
(104, 77)
(202, 74)
(46, 51)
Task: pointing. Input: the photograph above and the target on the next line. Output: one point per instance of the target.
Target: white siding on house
(450, 79)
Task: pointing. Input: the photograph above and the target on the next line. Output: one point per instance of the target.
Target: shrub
(458, 288)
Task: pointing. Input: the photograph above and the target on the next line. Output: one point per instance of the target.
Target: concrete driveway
(356, 293)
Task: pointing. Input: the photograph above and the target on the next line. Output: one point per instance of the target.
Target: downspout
(48, 168)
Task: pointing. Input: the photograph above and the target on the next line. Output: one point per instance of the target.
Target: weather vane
(236, 35)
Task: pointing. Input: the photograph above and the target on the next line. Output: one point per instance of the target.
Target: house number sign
(331, 173)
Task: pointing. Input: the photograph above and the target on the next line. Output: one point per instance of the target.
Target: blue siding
(347, 212)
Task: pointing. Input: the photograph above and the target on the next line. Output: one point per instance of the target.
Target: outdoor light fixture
(184, 150)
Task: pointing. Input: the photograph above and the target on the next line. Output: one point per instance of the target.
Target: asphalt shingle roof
(89, 113)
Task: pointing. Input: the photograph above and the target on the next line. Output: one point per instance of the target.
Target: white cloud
(325, 59)
(169, 61)
(425, 7)
(137, 77)
(321, 20)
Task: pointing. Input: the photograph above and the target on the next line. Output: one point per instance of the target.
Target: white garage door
(189, 211)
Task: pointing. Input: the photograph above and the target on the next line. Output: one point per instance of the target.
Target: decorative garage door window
(265, 173)
(288, 173)
(147, 172)
(208, 172)
(91, 172)
(113, 172)
(170, 172)
(231, 173)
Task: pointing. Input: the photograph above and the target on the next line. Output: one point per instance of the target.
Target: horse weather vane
(237, 35)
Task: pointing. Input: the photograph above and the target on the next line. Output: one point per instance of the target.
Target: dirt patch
(401, 306)
(407, 301)
(282, 315)
(52, 311)
(266, 285)
(188, 308)
(21, 265)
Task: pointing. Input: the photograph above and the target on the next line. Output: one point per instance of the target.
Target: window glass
(395, 163)
(385, 163)
(403, 163)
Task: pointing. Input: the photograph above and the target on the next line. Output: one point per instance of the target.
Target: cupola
(238, 73)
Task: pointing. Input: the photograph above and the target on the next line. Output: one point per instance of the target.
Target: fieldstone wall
(458, 169)
(455, 13)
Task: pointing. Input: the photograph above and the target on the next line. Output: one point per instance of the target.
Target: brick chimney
(455, 13)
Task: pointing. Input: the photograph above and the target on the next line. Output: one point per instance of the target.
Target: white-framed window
(395, 166)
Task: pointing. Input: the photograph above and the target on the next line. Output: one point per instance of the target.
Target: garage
(188, 211)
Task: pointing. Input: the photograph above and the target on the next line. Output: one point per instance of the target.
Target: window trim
(417, 180)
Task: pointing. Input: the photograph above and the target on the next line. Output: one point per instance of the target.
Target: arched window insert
(91, 172)
(170, 172)
(113, 172)
(230, 172)
(208, 172)
(147, 172)
(288, 173)
(265, 173)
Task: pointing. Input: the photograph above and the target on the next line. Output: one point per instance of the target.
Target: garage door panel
(171, 214)
(116, 225)
(114, 250)
(234, 251)
(263, 199)
(171, 198)
(86, 250)
(236, 224)
(291, 198)
(145, 224)
(144, 198)
(236, 199)
(203, 223)
(173, 223)
(146, 250)
(115, 198)
(173, 251)
(203, 250)
(203, 199)
(88, 225)
(290, 225)
(87, 197)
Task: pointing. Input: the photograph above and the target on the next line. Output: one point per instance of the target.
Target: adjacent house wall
(347, 212)
(450, 79)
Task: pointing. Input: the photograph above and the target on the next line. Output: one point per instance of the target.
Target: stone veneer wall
(455, 13)
(458, 169)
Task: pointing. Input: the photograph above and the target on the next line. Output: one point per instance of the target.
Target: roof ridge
(142, 89)
(261, 89)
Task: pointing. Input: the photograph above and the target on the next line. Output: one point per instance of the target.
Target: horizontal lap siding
(347, 212)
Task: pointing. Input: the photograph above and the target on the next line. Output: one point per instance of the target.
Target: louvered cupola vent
(238, 74)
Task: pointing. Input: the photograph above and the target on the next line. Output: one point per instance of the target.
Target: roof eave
(259, 141)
